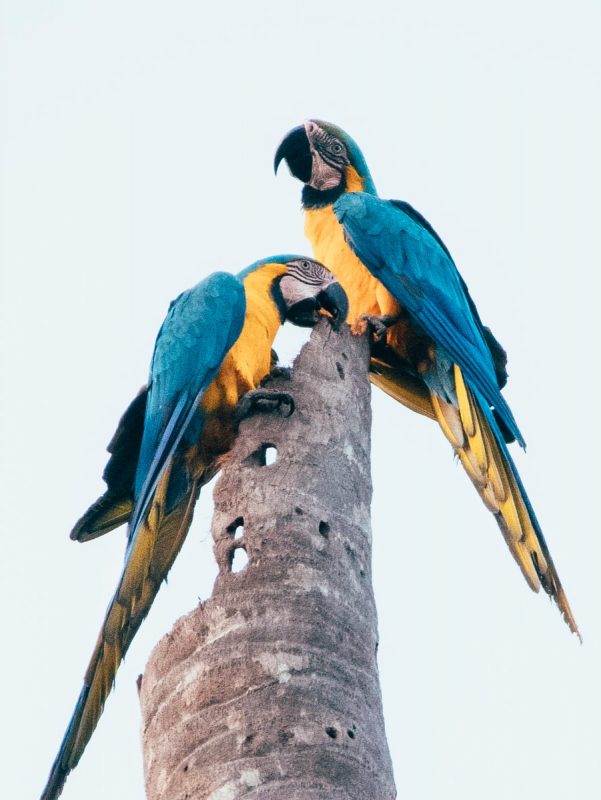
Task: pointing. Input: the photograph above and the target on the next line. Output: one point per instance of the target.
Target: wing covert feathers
(494, 476)
(156, 546)
(106, 514)
(115, 506)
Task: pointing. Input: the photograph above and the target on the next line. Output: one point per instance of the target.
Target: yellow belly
(366, 294)
(218, 405)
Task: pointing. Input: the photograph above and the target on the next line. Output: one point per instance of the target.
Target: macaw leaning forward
(213, 348)
(431, 351)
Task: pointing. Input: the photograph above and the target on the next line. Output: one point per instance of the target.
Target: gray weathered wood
(270, 689)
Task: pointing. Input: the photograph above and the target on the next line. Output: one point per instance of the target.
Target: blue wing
(497, 351)
(407, 256)
(200, 328)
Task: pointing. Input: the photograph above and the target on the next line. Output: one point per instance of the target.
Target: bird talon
(259, 402)
(289, 401)
(359, 327)
(283, 373)
(377, 326)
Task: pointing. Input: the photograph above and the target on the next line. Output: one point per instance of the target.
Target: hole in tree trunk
(239, 559)
(340, 369)
(332, 732)
(236, 528)
(271, 455)
(264, 456)
(324, 529)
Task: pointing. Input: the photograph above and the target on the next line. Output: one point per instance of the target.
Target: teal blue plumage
(201, 326)
(419, 273)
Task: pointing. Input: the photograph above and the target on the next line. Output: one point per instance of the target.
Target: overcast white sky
(136, 144)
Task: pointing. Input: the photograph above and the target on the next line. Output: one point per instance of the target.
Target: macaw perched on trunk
(431, 350)
(213, 348)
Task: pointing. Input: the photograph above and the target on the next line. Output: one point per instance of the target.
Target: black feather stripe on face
(278, 298)
(309, 272)
(331, 149)
(319, 198)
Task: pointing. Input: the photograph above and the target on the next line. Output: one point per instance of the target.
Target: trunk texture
(269, 690)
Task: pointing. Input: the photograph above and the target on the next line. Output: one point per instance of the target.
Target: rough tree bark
(270, 688)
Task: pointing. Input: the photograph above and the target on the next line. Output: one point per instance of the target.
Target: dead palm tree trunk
(270, 689)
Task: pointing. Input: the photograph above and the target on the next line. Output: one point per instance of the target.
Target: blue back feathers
(201, 326)
(416, 268)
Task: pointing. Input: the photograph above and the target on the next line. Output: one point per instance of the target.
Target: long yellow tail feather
(469, 432)
(156, 546)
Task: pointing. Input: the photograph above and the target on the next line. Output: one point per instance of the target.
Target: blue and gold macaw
(213, 349)
(431, 350)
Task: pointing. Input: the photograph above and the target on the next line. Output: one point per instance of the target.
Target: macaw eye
(306, 264)
(336, 148)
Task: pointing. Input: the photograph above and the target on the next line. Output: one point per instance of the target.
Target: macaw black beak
(296, 151)
(333, 299)
(304, 313)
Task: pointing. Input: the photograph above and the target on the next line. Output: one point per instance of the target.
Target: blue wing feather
(201, 326)
(409, 258)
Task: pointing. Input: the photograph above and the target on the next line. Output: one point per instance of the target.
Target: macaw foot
(260, 402)
(285, 373)
(377, 326)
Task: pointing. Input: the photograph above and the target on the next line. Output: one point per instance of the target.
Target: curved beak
(333, 299)
(305, 313)
(296, 151)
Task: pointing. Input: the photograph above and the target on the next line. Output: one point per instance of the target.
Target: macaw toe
(283, 373)
(264, 402)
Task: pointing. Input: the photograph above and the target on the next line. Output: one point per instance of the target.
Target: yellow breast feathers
(365, 293)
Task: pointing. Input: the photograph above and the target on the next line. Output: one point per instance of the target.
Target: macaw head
(307, 288)
(301, 289)
(327, 160)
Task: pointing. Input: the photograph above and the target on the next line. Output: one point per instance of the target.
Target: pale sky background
(136, 142)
